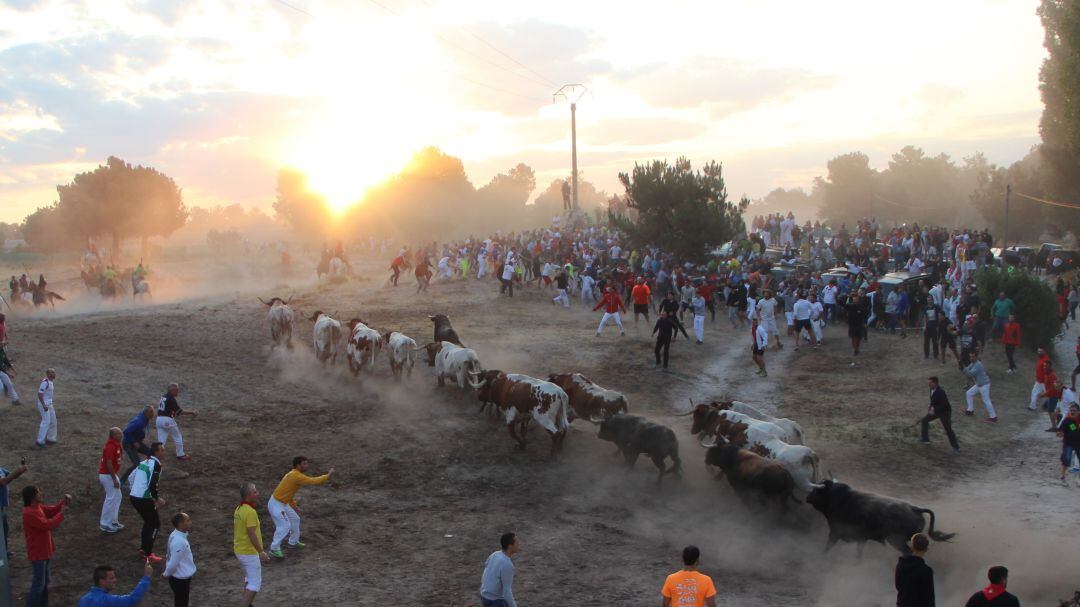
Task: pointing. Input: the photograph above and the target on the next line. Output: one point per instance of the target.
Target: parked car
(897, 280)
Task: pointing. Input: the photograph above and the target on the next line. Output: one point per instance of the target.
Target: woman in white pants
(47, 427)
(977, 373)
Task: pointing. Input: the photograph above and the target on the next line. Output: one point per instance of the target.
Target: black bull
(635, 435)
(855, 516)
(444, 331)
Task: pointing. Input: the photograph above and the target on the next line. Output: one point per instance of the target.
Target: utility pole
(572, 93)
(1005, 232)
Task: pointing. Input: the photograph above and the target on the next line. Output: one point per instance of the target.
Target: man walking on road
(167, 412)
(939, 409)
(247, 542)
(180, 563)
(47, 427)
(109, 477)
(145, 499)
(689, 587)
(497, 581)
(282, 505)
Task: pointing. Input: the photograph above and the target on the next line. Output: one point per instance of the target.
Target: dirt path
(427, 483)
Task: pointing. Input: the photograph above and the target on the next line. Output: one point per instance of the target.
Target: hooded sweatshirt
(993, 595)
(914, 582)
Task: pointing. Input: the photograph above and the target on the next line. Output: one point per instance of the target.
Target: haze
(223, 95)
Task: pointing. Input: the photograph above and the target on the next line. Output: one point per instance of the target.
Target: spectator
(105, 582)
(995, 594)
(167, 412)
(1000, 312)
(108, 476)
(39, 520)
(497, 581)
(914, 578)
(134, 440)
(5, 480)
(247, 542)
(1039, 388)
(981, 386)
(180, 563)
(1010, 337)
(47, 427)
(1069, 431)
(688, 587)
(145, 499)
(939, 409)
(612, 304)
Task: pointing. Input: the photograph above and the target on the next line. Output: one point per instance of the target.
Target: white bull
(757, 427)
(793, 429)
(327, 334)
(401, 350)
(142, 288)
(364, 345)
(280, 316)
(459, 365)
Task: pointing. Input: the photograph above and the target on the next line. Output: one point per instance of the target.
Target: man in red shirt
(1039, 387)
(612, 304)
(1052, 394)
(1010, 336)
(38, 522)
(641, 294)
(108, 475)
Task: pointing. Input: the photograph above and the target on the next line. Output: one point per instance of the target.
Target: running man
(766, 309)
(167, 412)
(856, 318)
(666, 328)
(282, 505)
(757, 347)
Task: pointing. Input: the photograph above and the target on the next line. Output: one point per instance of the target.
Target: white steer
(327, 334)
(401, 350)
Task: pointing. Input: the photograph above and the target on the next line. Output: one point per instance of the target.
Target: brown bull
(751, 474)
(522, 399)
(588, 400)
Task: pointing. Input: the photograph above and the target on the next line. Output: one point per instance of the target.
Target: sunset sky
(220, 95)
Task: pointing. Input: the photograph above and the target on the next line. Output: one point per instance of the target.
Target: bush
(1036, 306)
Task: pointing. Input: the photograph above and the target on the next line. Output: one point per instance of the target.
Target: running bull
(856, 516)
(522, 398)
(444, 331)
(634, 435)
(588, 400)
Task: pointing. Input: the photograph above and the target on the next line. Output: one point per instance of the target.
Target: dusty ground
(427, 484)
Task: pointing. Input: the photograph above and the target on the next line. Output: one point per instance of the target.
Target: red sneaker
(153, 558)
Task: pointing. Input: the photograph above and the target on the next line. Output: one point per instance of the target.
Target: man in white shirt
(817, 317)
(180, 563)
(802, 311)
(766, 308)
(757, 349)
(47, 427)
(828, 296)
(508, 276)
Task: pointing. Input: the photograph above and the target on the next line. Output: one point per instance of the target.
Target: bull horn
(708, 445)
(685, 413)
(596, 420)
(290, 299)
(475, 385)
(264, 302)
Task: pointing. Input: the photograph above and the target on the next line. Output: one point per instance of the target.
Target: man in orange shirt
(642, 295)
(1040, 382)
(688, 587)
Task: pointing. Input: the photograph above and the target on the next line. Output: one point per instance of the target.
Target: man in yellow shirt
(282, 504)
(688, 587)
(247, 542)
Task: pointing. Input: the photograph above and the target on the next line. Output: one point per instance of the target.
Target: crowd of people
(813, 275)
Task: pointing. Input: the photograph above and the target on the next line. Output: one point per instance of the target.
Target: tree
(849, 191)
(121, 201)
(46, 232)
(1026, 217)
(679, 209)
(298, 206)
(1059, 83)
(503, 199)
(795, 200)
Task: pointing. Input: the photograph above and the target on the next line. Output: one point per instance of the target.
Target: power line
(1067, 205)
(497, 49)
(443, 70)
(444, 40)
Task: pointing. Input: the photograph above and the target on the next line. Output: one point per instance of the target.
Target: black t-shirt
(167, 406)
(560, 280)
(1070, 427)
(669, 305)
(856, 314)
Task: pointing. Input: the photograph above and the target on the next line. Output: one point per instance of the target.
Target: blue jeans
(492, 603)
(38, 596)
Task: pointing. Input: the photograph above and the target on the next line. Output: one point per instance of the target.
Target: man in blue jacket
(105, 582)
(134, 441)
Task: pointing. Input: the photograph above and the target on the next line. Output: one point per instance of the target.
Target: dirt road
(427, 483)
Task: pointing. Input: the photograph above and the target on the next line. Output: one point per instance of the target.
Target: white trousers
(47, 428)
(699, 327)
(286, 523)
(609, 315)
(562, 298)
(482, 270)
(8, 386)
(769, 324)
(816, 326)
(110, 510)
(252, 571)
(1036, 390)
(168, 428)
(984, 394)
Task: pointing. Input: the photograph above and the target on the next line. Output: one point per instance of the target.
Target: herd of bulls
(761, 456)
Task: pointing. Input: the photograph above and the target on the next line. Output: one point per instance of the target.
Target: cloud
(721, 86)
(641, 131)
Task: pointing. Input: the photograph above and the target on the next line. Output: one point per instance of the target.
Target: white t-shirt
(816, 310)
(767, 307)
(46, 391)
(508, 272)
(829, 294)
(802, 310)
